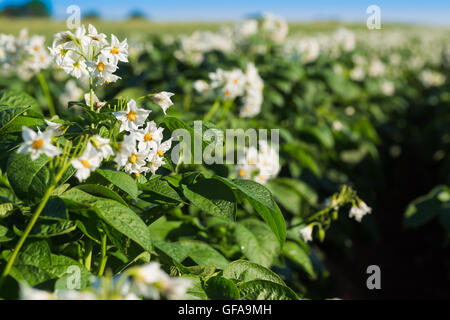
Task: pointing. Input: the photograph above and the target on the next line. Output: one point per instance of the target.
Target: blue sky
(412, 11)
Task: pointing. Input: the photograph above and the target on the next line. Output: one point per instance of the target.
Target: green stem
(226, 108)
(213, 110)
(104, 256)
(90, 94)
(88, 257)
(26, 232)
(51, 107)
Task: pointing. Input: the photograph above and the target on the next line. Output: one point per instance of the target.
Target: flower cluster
(235, 83)
(359, 211)
(430, 78)
(274, 28)
(24, 55)
(88, 53)
(142, 150)
(269, 26)
(143, 282)
(193, 48)
(260, 165)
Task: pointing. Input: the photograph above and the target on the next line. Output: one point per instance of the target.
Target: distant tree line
(38, 8)
(34, 8)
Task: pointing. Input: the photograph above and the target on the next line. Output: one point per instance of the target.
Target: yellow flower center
(86, 163)
(241, 172)
(101, 67)
(37, 144)
(133, 158)
(115, 50)
(95, 38)
(42, 59)
(137, 174)
(132, 116)
(36, 48)
(160, 153)
(148, 137)
(227, 93)
(236, 81)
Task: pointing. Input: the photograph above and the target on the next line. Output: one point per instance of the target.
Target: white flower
(136, 162)
(133, 117)
(358, 212)
(126, 147)
(57, 128)
(117, 51)
(154, 162)
(431, 78)
(247, 28)
(263, 164)
(306, 233)
(387, 88)
(163, 100)
(97, 104)
(76, 68)
(151, 281)
(149, 137)
(37, 143)
(275, 28)
(162, 148)
(357, 73)
(202, 86)
(74, 295)
(98, 39)
(337, 125)
(103, 69)
(103, 147)
(28, 293)
(88, 162)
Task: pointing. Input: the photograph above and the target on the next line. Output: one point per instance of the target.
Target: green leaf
(8, 115)
(219, 288)
(55, 209)
(28, 178)
(213, 197)
(245, 271)
(18, 99)
(297, 254)
(47, 229)
(6, 234)
(257, 241)
(70, 273)
(423, 209)
(261, 200)
(126, 221)
(101, 191)
(174, 250)
(121, 180)
(203, 254)
(159, 191)
(265, 290)
(16, 124)
(31, 263)
(118, 216)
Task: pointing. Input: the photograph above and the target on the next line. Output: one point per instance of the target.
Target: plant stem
(213, 110)
(88, 258)
(43, 82)
(104, 256)
(90, 94)
(26, 232)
